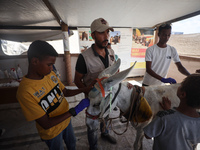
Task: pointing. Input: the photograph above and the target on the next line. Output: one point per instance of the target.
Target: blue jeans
(67, 135)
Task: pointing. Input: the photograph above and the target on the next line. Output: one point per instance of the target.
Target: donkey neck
(124, 97)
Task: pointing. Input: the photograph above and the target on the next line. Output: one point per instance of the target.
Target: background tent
(39, 19)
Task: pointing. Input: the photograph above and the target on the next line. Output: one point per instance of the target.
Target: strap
(101, 86)
(136, 99)
(91, 116)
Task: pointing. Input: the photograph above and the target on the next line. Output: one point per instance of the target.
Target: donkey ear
(110, 70)
(116, 78)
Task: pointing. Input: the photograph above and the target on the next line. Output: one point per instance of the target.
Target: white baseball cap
(100, 25)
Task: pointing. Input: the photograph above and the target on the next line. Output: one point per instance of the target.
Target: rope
(110, 98)
(104, 124)
(119, 88)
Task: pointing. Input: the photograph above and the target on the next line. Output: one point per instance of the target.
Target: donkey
(110, 83)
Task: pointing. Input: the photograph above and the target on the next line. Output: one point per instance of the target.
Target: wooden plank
(8, 95)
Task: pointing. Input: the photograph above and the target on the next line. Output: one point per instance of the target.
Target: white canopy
(28, 20)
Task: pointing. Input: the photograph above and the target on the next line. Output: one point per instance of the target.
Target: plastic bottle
(6, 74)
(19, 72)
(13, 73)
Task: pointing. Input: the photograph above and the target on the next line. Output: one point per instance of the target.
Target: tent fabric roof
(80, 13)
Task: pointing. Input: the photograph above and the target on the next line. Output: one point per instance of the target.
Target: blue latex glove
(168, 80)
(83, 104)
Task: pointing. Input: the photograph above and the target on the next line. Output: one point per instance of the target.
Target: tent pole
(155, 41)
(67, 56)
(52, 10)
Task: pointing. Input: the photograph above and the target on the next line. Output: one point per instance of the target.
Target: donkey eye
(94, 89)
(110, 81)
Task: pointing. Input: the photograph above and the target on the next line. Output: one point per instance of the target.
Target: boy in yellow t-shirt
(42, 98)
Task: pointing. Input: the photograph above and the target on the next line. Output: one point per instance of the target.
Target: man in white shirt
(158, 58)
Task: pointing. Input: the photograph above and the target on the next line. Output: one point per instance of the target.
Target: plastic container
(6, 74)
(19, 72)
(13, 73)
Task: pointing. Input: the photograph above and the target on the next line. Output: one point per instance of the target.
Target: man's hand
(88, 88)
(198, 71)
(166, 103)
(129, 85)
(168, 80)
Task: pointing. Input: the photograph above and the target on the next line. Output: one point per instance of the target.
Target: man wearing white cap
(90, 63)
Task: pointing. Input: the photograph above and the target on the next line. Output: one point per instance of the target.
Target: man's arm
(73, 92)
(155, 75)
(81, 70)
(151, 72)
(46, 122)
(182, 69)
(78, 80)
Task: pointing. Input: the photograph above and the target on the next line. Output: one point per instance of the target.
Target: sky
(187, 26)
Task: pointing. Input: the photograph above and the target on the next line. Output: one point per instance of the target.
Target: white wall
(8, 62)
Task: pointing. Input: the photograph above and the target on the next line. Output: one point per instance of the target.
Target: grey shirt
(173, 130)
(94, 63)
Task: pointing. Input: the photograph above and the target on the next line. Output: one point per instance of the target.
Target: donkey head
(95, 94)
(101, 91)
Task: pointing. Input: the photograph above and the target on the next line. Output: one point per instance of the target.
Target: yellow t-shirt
(40, 97)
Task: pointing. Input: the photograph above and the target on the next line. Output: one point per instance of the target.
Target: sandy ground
(22, 135)
(186, 44)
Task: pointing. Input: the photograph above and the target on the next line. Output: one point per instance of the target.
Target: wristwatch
(72, 112)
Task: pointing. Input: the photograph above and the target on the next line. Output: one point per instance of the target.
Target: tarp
(17, 14)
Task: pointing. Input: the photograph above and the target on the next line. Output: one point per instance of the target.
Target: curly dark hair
(164, 26)
(40, 49)
(191, 85)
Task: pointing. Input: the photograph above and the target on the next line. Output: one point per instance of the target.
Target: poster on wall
(85, 38)
(121, 40)
(141, 40)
